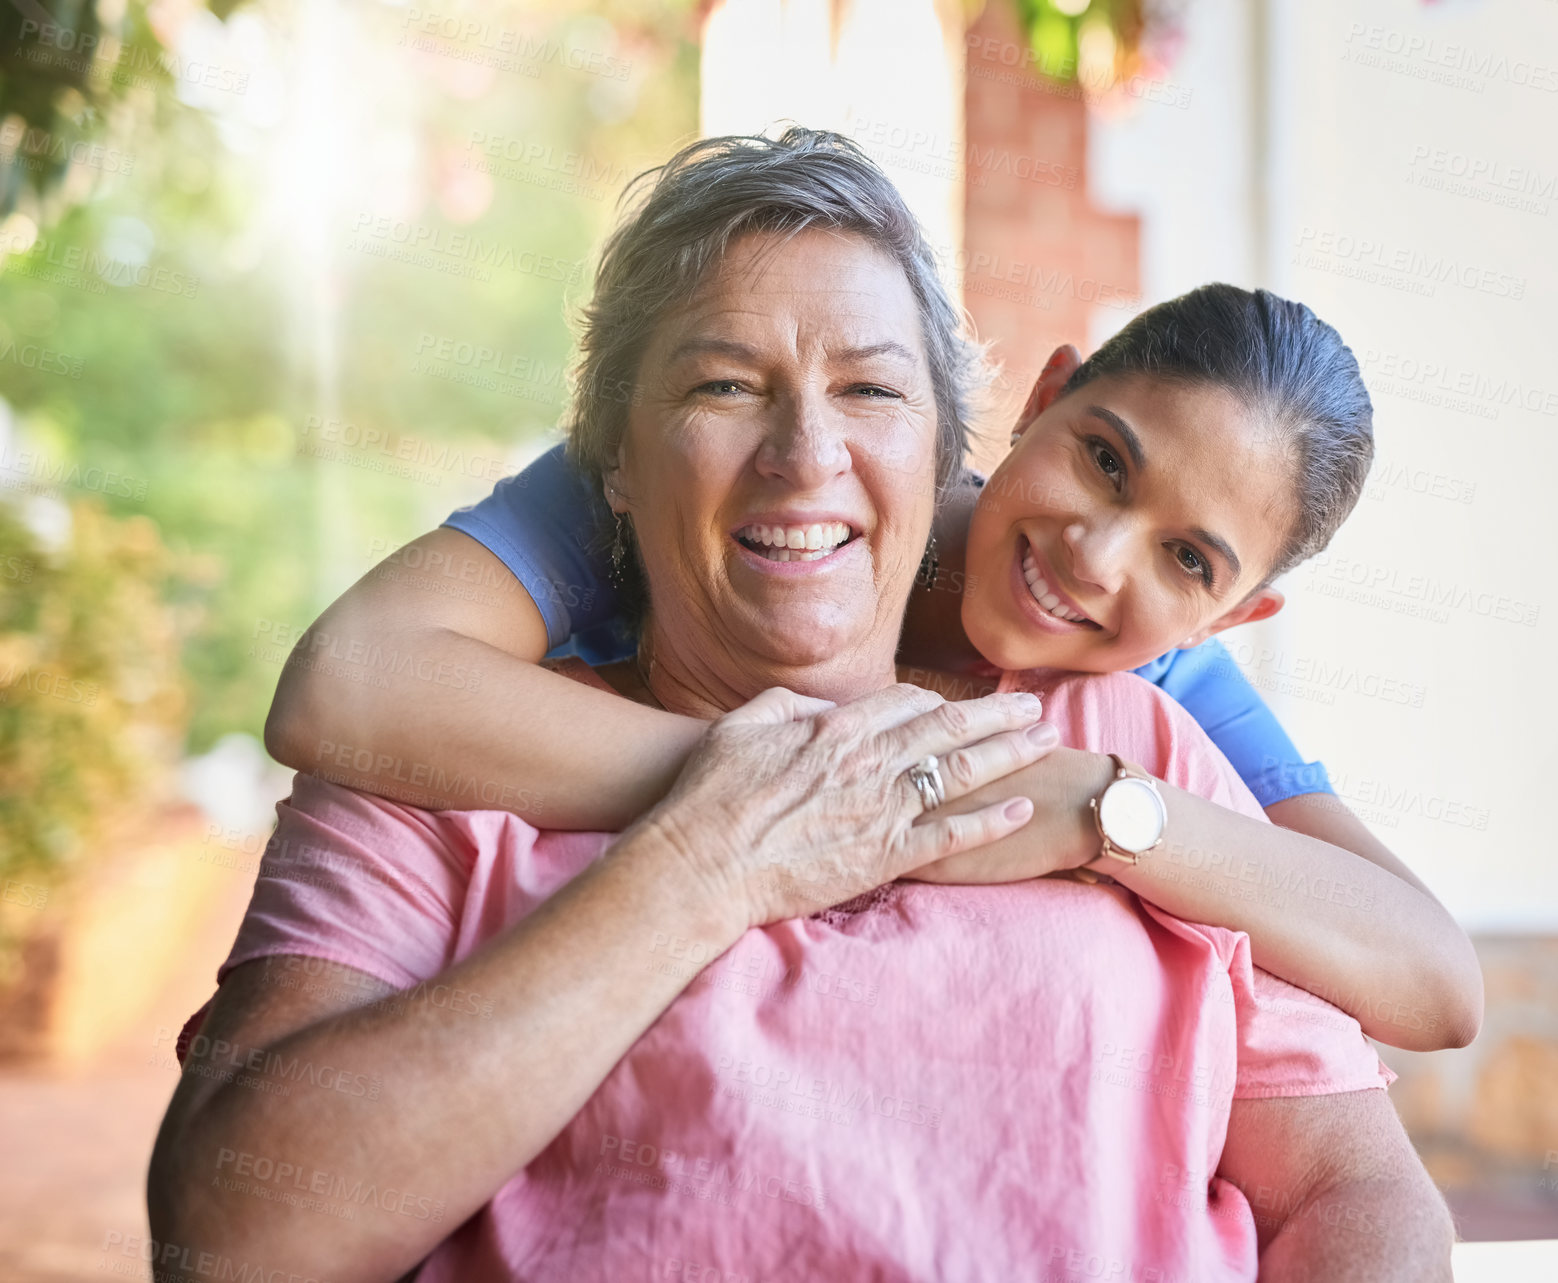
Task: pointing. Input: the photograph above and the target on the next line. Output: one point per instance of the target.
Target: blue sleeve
(540, 523)
(1213, 690)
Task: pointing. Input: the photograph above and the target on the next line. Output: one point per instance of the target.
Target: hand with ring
(791, 805)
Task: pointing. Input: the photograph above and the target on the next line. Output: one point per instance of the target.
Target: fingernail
(1043, 734)
(1030, 698)
(1019, 808)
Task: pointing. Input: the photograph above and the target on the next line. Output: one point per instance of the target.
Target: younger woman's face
(1132, 516)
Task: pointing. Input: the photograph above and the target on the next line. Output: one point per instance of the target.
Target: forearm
(1318, 916)
(1373, 1231)
(571, 988)
(587, 759)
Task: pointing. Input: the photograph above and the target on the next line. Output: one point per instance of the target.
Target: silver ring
(925, 775)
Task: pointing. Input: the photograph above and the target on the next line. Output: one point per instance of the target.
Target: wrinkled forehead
(815, 290)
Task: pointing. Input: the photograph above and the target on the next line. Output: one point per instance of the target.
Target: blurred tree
(287, 393)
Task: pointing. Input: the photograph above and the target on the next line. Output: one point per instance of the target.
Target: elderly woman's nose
(805, 445)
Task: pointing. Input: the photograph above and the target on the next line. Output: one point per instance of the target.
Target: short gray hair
(687, 213)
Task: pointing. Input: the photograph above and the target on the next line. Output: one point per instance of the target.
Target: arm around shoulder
(458, 713)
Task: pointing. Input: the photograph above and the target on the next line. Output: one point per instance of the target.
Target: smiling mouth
(795, 543)
(1047, 598)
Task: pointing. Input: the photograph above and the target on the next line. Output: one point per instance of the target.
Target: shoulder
(1121, 713)
(1106, 711)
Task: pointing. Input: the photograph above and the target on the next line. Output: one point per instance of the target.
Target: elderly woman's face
(779, 462)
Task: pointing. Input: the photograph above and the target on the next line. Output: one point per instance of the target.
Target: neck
(703, 682)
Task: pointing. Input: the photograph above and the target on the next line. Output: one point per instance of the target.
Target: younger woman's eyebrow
(1221, 546)
(1217, 543)
(1127, 433)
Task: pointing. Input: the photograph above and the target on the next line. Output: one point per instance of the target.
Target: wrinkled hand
(791, 805)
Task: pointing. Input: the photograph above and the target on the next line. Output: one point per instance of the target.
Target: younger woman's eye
(1194, 563)
(1108, 462)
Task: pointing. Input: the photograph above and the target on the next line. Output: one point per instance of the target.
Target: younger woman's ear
(1056, 373)
(1254, 608)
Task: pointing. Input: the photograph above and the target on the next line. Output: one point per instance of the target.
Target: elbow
(1462, 1025)
(1460, 1007)
(1464, 1001)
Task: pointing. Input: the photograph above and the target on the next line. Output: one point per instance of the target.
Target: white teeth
(1043, 593)
(797, 543)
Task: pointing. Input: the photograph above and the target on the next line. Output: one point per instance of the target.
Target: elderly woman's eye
(719, 387)
(872, 390)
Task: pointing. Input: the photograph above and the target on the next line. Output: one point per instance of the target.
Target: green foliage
(1054, 29)
(203, 362)
(92, 701)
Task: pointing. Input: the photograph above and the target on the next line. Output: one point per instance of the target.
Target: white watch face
(1132, 814)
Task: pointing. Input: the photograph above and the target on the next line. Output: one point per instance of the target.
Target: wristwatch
(1130, 813)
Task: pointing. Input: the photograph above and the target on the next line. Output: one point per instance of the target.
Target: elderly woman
(454, 1044)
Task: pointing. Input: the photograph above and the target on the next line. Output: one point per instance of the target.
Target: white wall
(1413, 659)
(887, 73)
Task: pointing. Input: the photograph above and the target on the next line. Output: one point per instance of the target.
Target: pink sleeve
(1291, 1043)
(357, 880)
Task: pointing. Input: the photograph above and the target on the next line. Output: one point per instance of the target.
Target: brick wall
(1485, 1118)
(1038, 259)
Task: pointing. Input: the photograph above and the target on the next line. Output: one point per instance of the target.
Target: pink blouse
(1029, 1081)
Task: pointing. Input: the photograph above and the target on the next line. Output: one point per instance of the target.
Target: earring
(930, 563)
(619, 553)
